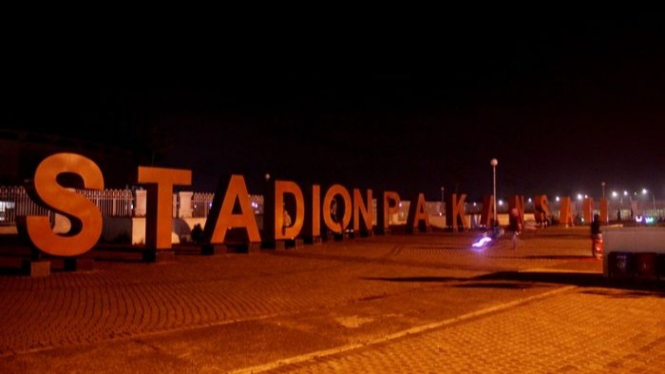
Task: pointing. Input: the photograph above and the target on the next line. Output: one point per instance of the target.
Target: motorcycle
(488, 238)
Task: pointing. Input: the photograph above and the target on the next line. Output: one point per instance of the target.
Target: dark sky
(562, 104)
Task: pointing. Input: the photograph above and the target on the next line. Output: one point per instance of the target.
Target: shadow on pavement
(524, 280)
(497, 285)
(560, 257)
(627, 294)
(595, 280)
(502, 285)
(417, 279)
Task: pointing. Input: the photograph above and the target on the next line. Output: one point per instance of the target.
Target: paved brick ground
(423, 303)
(579, 331)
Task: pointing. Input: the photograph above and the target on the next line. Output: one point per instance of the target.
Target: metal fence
(15, 202)
(112, 203)
(201, 203)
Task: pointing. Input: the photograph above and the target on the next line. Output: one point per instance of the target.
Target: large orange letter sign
(363, 213)
(418, 218)
(587, 210)
(222, 216)
(603, 210)
(455, 212)
(280, 231)
(384, 209)
(159, 217)
(85, 216)
(337, 227)
(312, 220)
(542, 208)
(487, 215)
(566, 212)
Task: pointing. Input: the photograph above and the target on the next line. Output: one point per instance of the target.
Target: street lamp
(653, 196)
(442, 200)
(494, 162)
(603, 184)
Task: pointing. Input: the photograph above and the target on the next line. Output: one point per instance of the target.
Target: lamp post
(653, 197)
(603, 185)
(443, 203)
(494, 162)
(266, 191)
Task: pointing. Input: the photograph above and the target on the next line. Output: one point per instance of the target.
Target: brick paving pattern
(581, 331)
(349, 299)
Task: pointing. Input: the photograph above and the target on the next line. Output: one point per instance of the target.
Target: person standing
(335, 215)
(515, 225)
(596, 237)
(286, 222)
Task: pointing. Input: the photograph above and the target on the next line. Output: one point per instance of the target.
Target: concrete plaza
(424, 303)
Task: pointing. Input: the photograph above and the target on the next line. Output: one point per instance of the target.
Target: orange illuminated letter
(222, 216)
(455, 212)
(418, 218)
(85, 217)
(541, 208)
(159, 213)
(312, 221)
(282, 232)
(566, 212)
(337, 227)
(587, 210)
(384, 209)
(487, 215)
(364, 209)
(603, 210)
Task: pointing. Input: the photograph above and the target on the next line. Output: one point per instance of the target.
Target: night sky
(563, 105)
